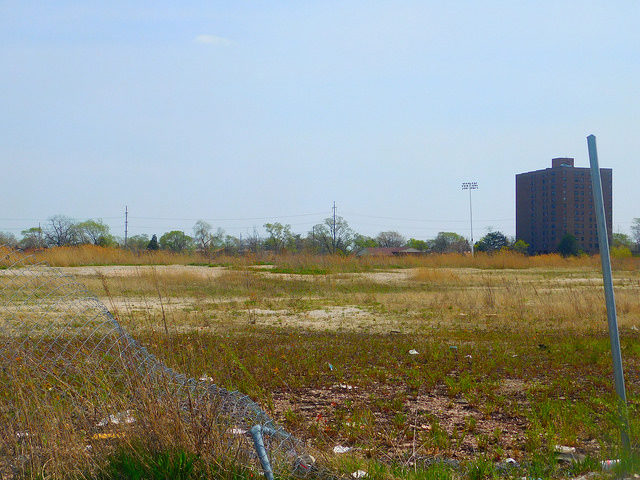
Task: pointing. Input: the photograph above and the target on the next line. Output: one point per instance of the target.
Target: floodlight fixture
(470, 186)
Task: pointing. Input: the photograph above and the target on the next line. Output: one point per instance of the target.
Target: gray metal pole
(258, 443)
(470, 186)
(471, 220)
(614, 337)
(334, 228)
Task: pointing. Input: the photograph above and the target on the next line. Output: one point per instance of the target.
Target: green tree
(95, 232)
(492, 242)
(138, 242)
(232, 245)
(176, 241)
(153, 243)
(449, 242)
(568, 245)
(635, 232)
(520, 246)
(418, 244)
(32, 238)
(280, 237)
(333, 238)
(205, 240)
(360, 242)
(622, 240)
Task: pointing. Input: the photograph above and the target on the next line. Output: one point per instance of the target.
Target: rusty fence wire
(53, 327)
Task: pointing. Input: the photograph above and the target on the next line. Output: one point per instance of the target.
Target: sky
(247, 112)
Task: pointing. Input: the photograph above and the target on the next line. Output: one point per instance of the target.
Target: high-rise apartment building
(556, 201)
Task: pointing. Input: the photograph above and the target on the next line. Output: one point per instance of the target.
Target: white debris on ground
(413, 352)
(306, 461)
(345, 386)
(117, 419)
(565, 449)
(359, 474)
(340, 449)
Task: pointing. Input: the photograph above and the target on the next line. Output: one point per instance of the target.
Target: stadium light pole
(470, 186)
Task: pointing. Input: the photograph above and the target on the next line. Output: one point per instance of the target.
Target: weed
(137, 464)
(481, 468)
(529, 368)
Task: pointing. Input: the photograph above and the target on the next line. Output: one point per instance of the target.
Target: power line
(426, 220)
(40, 219)
(227, 219)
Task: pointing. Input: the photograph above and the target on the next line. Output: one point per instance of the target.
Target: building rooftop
(562, 162)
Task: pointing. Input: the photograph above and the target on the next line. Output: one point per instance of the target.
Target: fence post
(614, 337)
(258, 442)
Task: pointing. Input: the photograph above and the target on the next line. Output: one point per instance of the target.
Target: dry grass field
(512, 352)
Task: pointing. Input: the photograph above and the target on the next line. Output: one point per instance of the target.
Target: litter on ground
(609, 464)
(106, 436)
(117, 419)
(565, 449)
(345, 386)
(340, 449)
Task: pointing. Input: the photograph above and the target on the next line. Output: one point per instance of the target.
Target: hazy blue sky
(243, 112)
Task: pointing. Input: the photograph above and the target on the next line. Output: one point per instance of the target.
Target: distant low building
(558, 200)
(389, 251)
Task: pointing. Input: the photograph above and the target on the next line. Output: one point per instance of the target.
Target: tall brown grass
(313, 263)
(94, 255)
(529, 325)
(500, 260)
(54, 424)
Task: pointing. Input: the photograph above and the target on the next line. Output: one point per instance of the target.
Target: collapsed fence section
(63, 342)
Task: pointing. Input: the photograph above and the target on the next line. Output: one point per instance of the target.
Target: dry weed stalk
(83, 366)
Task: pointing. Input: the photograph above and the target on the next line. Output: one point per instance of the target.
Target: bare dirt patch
(119, 271)
(380, 276)
(338, 318)
(467, 429)
(387, 276)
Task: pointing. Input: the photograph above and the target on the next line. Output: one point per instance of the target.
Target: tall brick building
(556, 201)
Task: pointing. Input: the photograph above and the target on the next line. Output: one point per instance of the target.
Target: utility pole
(126, 224)
(470, 186)
(334, 227)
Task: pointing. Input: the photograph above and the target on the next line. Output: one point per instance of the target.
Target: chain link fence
(63, 336)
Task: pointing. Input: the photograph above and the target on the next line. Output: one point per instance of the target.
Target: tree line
(332, 236)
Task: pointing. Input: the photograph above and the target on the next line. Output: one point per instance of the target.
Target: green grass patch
(139, 463)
